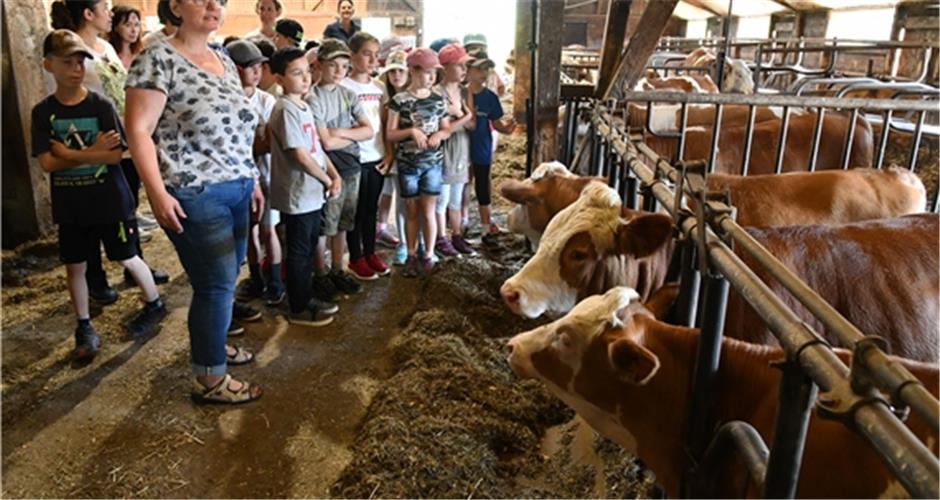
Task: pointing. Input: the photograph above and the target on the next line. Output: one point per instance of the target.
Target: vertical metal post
(569, 126)
(849, 138)
(529, 136)
(531, 105)
(716, 133)
(817, 133)
(601, 168)
(629, 186)
(748, 139)
(782, 142)
(883, 140)
(689, 285)
(757, 73)
(683, 125)
(915, 141)
(706, 363)
(795, 404)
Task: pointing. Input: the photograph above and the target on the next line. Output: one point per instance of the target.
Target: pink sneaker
(361, 270)
(377, 265)
(386, 239)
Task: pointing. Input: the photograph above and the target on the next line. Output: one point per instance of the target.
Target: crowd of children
(347, 133)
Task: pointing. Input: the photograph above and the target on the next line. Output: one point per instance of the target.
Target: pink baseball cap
(424, 58)
(453, 53)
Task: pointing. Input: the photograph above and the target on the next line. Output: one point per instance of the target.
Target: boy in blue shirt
(78, 139)
(488, 111)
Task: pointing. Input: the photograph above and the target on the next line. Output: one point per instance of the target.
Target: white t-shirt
(263, 102)
(256, 34)
(370, 97)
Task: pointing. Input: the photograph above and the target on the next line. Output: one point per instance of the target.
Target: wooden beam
(641, 46)
(618, 13)
(523, 62)
(580, 4)
(786, 4)
(548, 81)
(24, 28)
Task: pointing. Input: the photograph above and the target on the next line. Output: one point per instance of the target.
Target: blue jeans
(211, 247)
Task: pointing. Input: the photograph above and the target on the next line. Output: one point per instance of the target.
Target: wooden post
(27, 205)
(618, 13)
(548, 80)
(642, 44)
(520, 86)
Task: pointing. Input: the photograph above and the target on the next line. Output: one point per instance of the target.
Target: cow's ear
(517, 191)
(661, 301)
(644, 235)
(633, 363)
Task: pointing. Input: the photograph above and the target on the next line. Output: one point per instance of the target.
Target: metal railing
(811, 362)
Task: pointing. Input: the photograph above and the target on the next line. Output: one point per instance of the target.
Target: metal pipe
(797, 394)
(849, 138)
(748, 139)
(817, 133)
(784, 100)
(782, 141)
(734, 436)
(569, 126)
(706, 361)
(683, 126)
(915, 142)
(689, 286)
(716, 132)
(883, 139)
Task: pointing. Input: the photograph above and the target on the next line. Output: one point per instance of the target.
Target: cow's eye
(579, 255)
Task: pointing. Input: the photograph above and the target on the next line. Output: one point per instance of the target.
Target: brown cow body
(826, 197)
(697, 84)
(630, 377)
(766, 136)
(881, 275)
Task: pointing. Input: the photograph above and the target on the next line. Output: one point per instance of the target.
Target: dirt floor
(407, 394)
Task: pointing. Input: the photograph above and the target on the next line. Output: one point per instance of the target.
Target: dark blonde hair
(277, 5)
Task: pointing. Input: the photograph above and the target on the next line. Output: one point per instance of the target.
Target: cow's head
(578, 243)
(555, 353)
(551, 188)
(738, 77)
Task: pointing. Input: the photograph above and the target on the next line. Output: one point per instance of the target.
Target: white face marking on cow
(549, 169)
(739, 79)
(518, 222)
(539, 283)
(569, 338)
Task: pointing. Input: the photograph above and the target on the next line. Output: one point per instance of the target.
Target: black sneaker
(159, 277)
(146, 320)
(87, 342)
(309, 317)
(250, 289)
(322, 305)
(242, 312)
(274, 295)
(104, 296)
(344, 282)
(323, 289)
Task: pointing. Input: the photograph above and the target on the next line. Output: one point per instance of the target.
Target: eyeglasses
(203, 3)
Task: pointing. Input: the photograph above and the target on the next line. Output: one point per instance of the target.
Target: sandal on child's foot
(223, 393)
(241, 357)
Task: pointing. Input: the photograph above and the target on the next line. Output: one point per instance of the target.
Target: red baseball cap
(453, 53)
(424, 58)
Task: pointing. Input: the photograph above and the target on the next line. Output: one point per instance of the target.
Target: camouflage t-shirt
(207, 126)
(425, 114)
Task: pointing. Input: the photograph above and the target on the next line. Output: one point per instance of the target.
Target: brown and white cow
(630, 377)
(882, 275)
(824, 197)
(696, 84)
(738, 78)
(766, 135)
(668, 117)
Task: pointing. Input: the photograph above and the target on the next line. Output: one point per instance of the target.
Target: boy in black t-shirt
(78, 139)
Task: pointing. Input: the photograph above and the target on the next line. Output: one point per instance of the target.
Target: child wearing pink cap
(418, 124)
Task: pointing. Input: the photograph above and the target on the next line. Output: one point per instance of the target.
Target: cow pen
(869, 396)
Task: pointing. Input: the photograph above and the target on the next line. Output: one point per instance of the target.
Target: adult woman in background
(125, 33)
(190, 128)
(345, 26)
(268, 11)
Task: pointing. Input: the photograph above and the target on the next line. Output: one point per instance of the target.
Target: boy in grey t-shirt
(302, 179)
(340, 122)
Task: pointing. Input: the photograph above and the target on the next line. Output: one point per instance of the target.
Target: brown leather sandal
(222, 393)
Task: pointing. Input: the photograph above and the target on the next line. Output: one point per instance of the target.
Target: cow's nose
(510, 295)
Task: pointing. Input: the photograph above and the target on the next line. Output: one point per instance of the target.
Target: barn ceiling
(703, 9)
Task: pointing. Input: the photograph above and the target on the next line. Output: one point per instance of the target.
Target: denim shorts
(414, 180)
